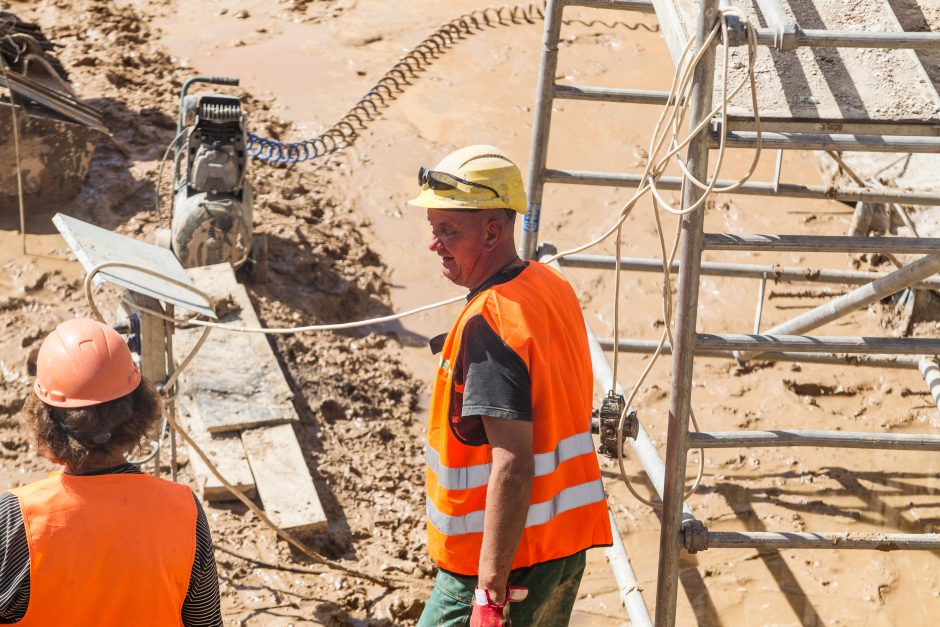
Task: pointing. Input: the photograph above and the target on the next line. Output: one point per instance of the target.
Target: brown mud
(344, 245)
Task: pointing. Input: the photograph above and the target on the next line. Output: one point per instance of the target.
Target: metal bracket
(608, 420)
(694, 536)
(786, 31)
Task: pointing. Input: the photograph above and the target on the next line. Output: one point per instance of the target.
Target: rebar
(824, 439)
(809, 540)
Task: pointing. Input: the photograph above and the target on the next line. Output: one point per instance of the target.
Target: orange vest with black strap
(107, 550)
(539, 317)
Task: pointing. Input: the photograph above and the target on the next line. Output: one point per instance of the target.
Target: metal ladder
(679, 528)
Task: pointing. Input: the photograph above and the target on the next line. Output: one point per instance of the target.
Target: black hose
(393, 83)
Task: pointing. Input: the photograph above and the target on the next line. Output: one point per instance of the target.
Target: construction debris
(58, 130)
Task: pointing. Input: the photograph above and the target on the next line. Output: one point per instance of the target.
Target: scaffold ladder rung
(825, 439)
(821, 243)
(610, 94)
(818, 344)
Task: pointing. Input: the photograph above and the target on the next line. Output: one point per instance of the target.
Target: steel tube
(826, 439)
(856, 299)
(542, 121)
(788, 190)
(639, 6)
(929, 370)
(629, 586)
(690, 259)
(818, 141)
(740, 270)
(809, 540)
(815, 38)
(609, 94)
(822, 243)
(819, 344)
(925, 128)
(647, 347)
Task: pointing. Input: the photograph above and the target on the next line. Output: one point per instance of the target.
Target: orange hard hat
(84, 362)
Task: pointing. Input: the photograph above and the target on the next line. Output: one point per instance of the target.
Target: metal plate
(93, 246)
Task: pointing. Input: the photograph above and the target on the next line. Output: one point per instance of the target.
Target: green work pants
(553, 588)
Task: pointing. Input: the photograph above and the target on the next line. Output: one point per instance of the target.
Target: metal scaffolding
(680, 530)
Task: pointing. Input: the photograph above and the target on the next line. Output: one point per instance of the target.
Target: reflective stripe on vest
(478, 475)
(539, 513)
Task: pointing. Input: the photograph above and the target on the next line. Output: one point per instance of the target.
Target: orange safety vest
(107, 550)
(539, 317)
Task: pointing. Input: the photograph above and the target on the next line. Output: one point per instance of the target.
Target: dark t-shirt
(490, 379)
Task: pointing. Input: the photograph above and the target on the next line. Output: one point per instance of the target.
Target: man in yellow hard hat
(514, 493)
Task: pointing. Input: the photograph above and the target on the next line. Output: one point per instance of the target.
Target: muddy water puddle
(482, 91)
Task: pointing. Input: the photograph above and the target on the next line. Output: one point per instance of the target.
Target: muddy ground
(345, 245)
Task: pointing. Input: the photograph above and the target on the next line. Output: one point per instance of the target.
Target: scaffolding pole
(690, 259)
(629, 587)
(931, 372)
(538, 154)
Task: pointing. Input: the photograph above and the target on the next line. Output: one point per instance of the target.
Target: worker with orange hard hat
(99, 542)
(514, 492)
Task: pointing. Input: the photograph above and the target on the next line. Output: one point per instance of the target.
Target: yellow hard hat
(475, 177)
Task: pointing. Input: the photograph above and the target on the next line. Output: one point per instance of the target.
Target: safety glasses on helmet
(437, 181)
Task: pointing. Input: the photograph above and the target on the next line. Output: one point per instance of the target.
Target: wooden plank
(224, 450)
(235, 378)
(236, 383)
(283, 479)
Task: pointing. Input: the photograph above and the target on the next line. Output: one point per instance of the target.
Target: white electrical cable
(670, 258)
(89, 296)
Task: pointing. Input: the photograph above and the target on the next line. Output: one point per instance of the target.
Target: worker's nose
(434, 244)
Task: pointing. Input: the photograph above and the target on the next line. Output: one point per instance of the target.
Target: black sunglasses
(442, 180)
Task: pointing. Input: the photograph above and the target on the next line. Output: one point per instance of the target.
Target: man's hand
(507, 501)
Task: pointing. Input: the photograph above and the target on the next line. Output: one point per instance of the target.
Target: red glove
(487, 613)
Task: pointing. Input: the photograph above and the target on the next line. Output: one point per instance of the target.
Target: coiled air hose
(392, 84)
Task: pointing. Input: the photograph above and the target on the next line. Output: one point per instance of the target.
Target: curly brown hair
(83, 437)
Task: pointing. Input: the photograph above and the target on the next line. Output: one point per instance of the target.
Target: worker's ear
(495, 230)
